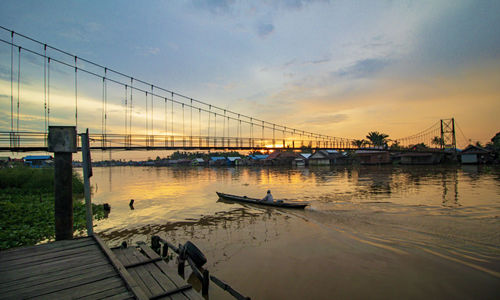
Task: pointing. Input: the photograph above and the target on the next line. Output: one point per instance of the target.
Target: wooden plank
(41, 277)
(163, 280)
(50, 266)
(48, 280)
(58, 285)
(109, 293)
(47, 256)
(120, 297)
(129, 281)
(120, 254)
(150, 283)
(12, 254)
(172, 276)
(87, 290)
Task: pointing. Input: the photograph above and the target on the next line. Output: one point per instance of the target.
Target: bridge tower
(448, 133)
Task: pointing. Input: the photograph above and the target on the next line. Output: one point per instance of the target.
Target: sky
(339, 68)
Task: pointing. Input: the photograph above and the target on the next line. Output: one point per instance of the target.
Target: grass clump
(27, 206)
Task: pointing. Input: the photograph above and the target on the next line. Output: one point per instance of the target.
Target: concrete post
(62, 141)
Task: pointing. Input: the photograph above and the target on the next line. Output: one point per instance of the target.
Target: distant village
(376, 155)
(470, 155)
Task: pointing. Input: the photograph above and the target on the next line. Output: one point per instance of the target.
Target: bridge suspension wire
(208, 128)
(45, 88)
(76, 94)
(125, 104)
(172, 93)
(131, 105)
(191, 126)
(12, 82)
(48, 92)
(142, 82)
(147, 116)
(467, 141)
(152, 111)
(18, 89)
(172, 120)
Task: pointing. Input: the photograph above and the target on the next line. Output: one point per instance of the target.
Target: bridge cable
(199, 127)
(147, 121)
(183, 132)
(48, 92)
(125, 104)
(172, 119)
(76, 96)
(18, 90)
(122, 74)
(12, 83)
(45, 88)
(208, 132)
(223, 128)
(191, 129)
(165, 120)
(152, 113)
(131, 109)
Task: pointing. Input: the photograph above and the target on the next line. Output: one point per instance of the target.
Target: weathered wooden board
(69, 269)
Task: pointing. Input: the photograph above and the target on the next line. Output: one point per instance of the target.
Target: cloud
(462, 33)
(215, 6)
(363, 68)
(146, 51)
(326, 119)
(265, 29)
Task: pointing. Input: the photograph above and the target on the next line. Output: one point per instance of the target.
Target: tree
(358, 143)
(377, 139)
(438, 141)
(495, 144)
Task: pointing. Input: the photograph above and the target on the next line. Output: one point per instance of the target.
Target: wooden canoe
(278, 203)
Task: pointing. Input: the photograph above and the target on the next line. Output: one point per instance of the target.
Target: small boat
(279, 203)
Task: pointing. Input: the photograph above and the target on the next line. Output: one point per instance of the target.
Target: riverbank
(27, 206)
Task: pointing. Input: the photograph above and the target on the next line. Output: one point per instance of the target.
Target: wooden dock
(85, 268)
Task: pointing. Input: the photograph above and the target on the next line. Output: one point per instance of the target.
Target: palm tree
(358, 143)
(438, 141)
(377, 139)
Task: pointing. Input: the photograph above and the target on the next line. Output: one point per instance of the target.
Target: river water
(378, 232)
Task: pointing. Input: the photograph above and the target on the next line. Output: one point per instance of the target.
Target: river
(377, 232)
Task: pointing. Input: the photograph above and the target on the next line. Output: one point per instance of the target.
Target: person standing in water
(268, 197)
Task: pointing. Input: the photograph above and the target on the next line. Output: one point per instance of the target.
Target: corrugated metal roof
(233, 158)
(306, 155)
(214, 158)
(37, 157)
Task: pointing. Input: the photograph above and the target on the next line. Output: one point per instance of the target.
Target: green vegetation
(377, 139)
(27, 206)
(359, 143)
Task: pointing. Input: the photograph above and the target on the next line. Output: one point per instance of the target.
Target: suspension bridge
(49, 86)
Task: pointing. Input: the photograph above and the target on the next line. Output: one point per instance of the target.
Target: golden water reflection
(379, 225)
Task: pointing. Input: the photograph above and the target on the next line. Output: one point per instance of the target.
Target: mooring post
(62, 142)
(165, 250)
(87, 173)
(155, 243)
(205, 282)
(180, 261)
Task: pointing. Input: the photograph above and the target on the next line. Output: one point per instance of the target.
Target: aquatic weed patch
(27, 206)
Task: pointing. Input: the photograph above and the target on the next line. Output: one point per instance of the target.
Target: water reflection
(415, 220)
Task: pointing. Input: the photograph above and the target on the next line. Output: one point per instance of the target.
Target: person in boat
(268, 197)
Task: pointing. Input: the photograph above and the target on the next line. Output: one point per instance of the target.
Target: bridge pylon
(448, 136)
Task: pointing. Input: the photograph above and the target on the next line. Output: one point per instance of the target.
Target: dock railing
(161, 247)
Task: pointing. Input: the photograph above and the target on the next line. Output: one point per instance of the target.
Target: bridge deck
(82, 268)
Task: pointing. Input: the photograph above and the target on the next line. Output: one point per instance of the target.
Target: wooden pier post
(87, 173)
(62, 141)
(205, 282)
